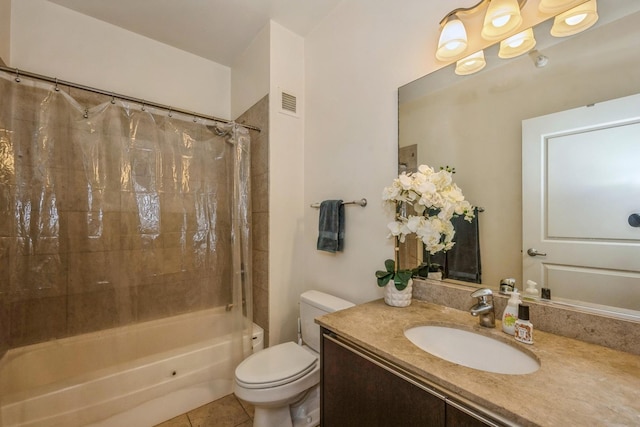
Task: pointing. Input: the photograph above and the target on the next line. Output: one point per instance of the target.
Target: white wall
(275, 61)
(286, 185)
(355, 61)
(343, 145)
(250, 74)
(5, 31)
(54, 41)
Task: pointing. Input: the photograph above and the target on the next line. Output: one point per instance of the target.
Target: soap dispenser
(531, 292)
(510, 314)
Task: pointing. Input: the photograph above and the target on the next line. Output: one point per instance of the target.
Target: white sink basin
(472, 350)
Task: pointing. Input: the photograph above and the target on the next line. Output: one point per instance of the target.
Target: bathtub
(137, 375)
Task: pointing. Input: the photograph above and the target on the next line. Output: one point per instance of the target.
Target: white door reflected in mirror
(581, 182)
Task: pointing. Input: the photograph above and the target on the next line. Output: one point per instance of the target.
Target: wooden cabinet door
(462, 418)
(359, 391)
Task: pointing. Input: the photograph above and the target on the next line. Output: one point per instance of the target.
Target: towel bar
(361, 202)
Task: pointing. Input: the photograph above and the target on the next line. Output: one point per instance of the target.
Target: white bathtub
(137, 375)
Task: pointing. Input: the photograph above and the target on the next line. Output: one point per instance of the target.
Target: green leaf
(382, 281)
(399, 284)
(383, 277)
(401, 279)
(380, 274)
(404, 276)
(390, 265)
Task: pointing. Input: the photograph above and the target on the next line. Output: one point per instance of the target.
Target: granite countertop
(578, 383)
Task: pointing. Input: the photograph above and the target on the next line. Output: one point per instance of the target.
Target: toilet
(283, 382)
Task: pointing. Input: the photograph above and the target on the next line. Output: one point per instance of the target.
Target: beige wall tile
(38, 319)
(93, 271)
(83, 317)
(5, 326)
(111, 257)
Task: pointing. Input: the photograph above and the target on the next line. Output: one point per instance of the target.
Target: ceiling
(217, 30)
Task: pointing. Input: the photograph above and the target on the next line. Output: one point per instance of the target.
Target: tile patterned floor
(228, 411)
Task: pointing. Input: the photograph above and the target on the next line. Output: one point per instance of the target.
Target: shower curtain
(114, 213)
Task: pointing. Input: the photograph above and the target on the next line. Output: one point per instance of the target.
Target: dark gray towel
(331, 226)
(463, 260)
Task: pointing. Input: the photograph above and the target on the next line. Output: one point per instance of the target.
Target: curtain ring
(143, 107)
(195, 119)
(57, 89)
(17, 76)
(113, 98)
(86, 113)
(170, 113)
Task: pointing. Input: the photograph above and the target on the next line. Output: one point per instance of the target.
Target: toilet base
(303, 411)
(269, 417)
(306, 413)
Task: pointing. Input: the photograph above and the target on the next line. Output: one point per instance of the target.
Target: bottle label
(509, 319)
(523, 333)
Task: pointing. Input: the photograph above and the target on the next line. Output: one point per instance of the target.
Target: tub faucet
(483, 309)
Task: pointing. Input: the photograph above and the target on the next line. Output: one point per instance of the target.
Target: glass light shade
(575, 20)
(553, 7)
(502, 18)
(453, 40)
(471, 64)
(516, 45)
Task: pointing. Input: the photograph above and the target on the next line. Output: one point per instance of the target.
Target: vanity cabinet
(359, 388)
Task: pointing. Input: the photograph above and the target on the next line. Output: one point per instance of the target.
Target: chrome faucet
(484, 310)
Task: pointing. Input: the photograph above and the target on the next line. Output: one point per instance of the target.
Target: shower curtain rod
(19, 73)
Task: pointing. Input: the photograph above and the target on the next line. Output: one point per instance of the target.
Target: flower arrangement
(435, 199)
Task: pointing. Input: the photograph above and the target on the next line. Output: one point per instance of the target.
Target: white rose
(425, 170)
(441, 179)
(405, 181)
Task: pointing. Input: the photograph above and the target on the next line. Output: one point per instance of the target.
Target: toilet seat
(275, 366)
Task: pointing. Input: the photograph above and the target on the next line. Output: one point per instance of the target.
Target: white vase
(396, 298)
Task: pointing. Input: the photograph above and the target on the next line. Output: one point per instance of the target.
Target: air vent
(289, 103)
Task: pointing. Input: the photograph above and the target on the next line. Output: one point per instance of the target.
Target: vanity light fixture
(502, 18)
(575, 20)
(517, 45)
(471, 64)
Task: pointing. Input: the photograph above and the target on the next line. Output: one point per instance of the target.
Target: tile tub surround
(107, 257)
(570, 322)
(578, 383)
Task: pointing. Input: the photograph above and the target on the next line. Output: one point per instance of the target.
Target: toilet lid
(275, 366)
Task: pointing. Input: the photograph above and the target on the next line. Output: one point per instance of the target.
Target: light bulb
(452, 45)
(471, 64)
(517, 44)
(575, 20)
(500, 21)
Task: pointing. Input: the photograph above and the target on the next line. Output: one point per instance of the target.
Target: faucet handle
(481, 293)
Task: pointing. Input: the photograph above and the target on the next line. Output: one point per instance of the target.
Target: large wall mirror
(474, 123)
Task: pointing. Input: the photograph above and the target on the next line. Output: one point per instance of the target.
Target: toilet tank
(314, 304)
